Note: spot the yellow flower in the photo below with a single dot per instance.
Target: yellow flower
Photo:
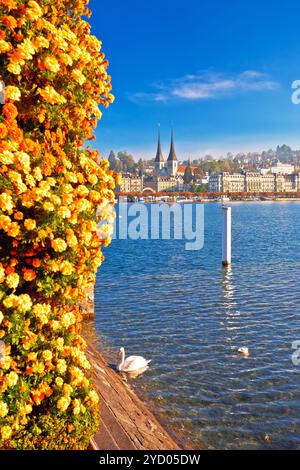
(42, 234)
(63, 403)
(2, 274)
(55, 325)
(12, 280)
(59, 381)
(61, 366)
(11, 301)
(11, 379)
(50, 95)
(76, 406)
(42, 312)
(60, 343)
(30, 224)
(82, 190)
(37, 173)
(64, 212)
(6, 203)
(30, 181)
(32, 357)
(51, 64)
(6, 432)
(4, 46)
(68, 319)
(47, 206)
(71, 239)
(26, 50)
(25, 410)
(78, 76)
(25, 303)
(67, 390)
(24, 159)
(83, 205)
(77, 376)
(40, 42)
(66, 59)
(93, 179)
(14, 68)
(93, 396)
(110, 98)
(59, 245)
(13, 230)
(1, 317)
(55, 199)
(66, 268)
(34, 12)
(3, 409)
(7, 157)
(5, 222)
(47, 355)
(13, 93)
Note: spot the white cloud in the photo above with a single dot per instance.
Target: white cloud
(207, 86)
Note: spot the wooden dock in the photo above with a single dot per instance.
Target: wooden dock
(126, 423)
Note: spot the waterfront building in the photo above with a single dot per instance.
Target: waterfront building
(259, 183)
(282, 168)
(251, 182)
(159, 184)
(215, 183)
(168, 183)
(130, 183)
(234, 183)
(288, 183)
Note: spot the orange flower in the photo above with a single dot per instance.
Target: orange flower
(28, 275)
(18, 216)
(9, 21)
(36, 263)
(30, 224)
(51, 185)
(10, 4)
(3, 131)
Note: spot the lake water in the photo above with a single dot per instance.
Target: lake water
(189, 315)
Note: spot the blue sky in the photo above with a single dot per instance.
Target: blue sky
(219, 71)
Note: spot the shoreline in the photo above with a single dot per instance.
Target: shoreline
(216, 201)
(126, 423)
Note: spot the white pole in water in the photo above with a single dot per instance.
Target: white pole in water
(226, 234)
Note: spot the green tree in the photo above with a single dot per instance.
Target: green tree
(141, 167)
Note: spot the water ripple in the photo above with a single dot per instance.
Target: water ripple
(189, 315)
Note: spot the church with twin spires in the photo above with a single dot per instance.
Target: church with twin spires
(165, 175)
(170, 167)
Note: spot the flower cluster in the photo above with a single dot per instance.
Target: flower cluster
(51, 185)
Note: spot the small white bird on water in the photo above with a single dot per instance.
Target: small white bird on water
(244, 351)
(132, 363)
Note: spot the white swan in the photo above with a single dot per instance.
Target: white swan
(132, 363)
(244, 351)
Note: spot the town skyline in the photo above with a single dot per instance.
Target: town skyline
(224, 82)
(165, 146)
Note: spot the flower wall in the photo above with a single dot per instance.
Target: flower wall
(51, 185)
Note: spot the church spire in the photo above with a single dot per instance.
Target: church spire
(159, 156)
(172, 155)
(172, 162)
